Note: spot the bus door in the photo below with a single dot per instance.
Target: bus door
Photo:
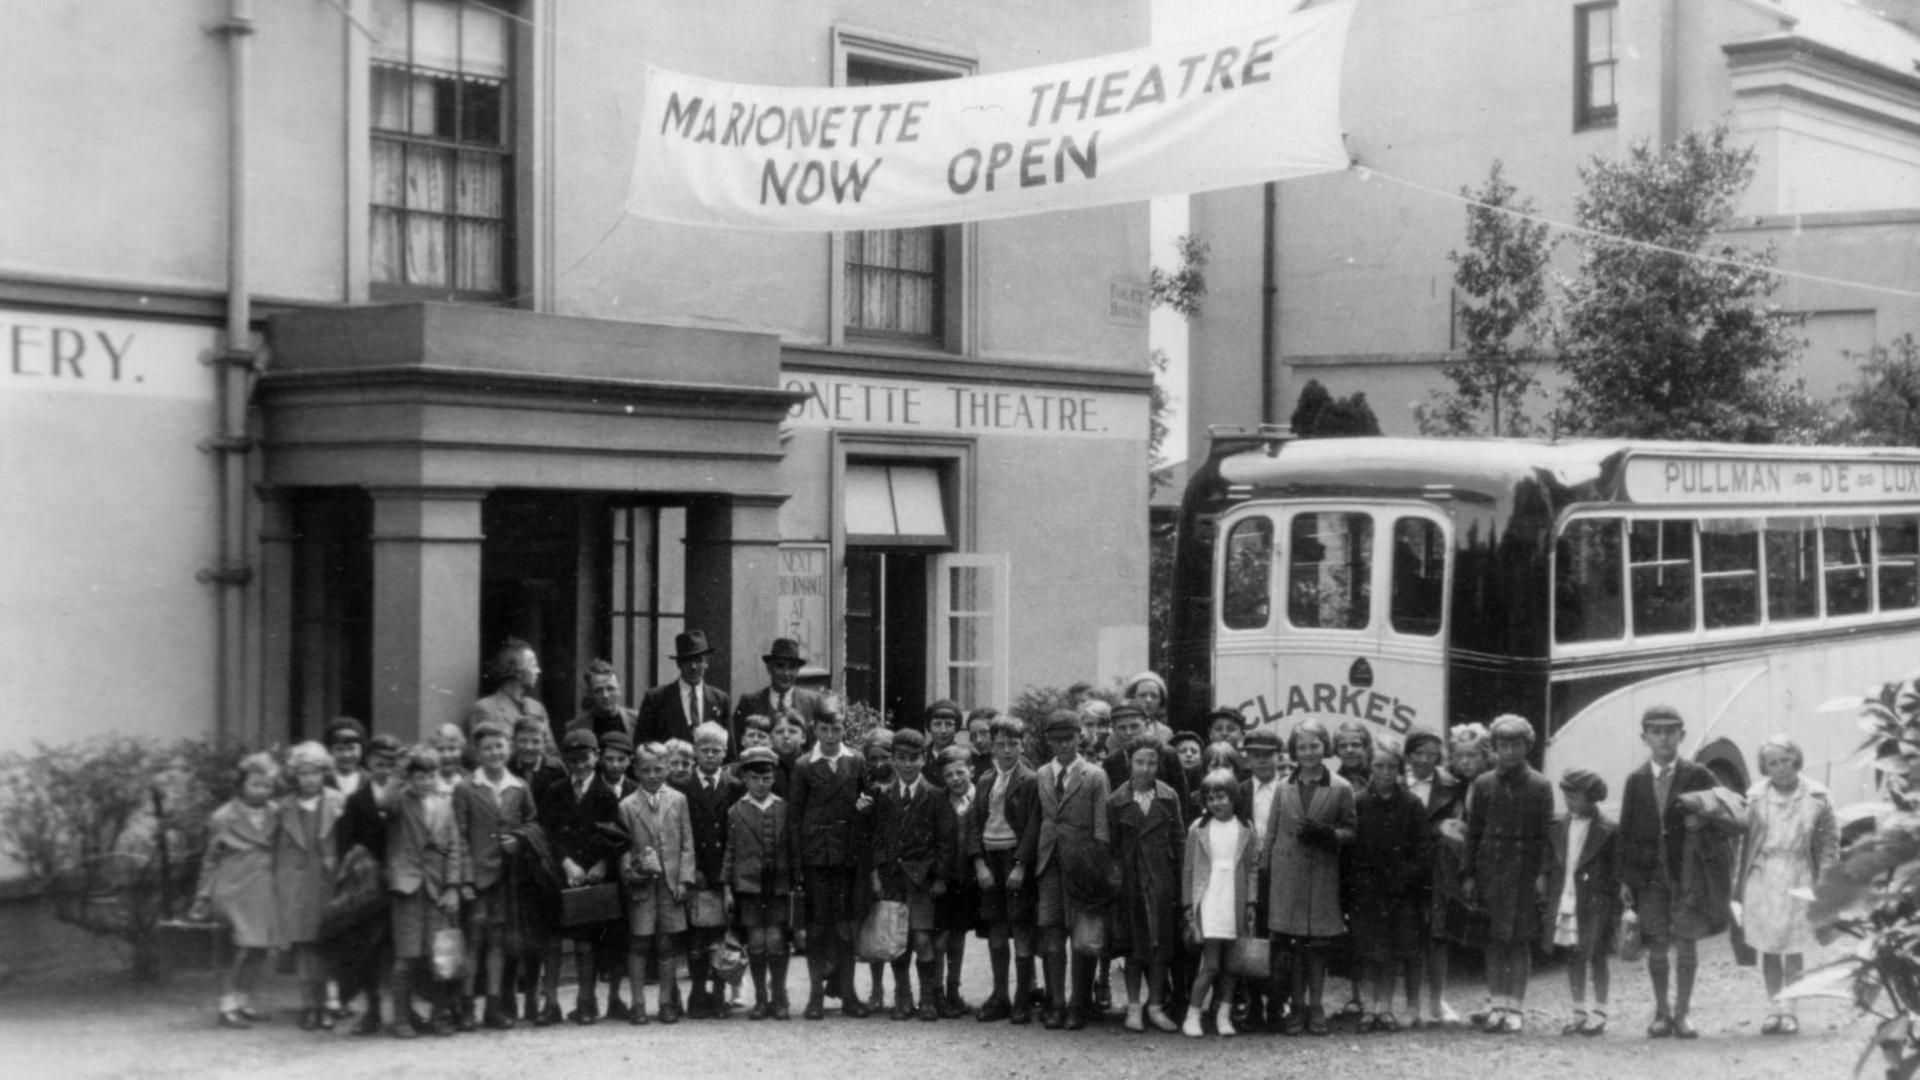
(1333, 610)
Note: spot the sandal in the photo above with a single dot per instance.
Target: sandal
(1772, 1026)
(1386, 1023)
(1368, 1022)
(1596, 1024)
(1577, 1025)
(1789, 1025)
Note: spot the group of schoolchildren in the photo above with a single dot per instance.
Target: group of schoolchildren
(1230, 876)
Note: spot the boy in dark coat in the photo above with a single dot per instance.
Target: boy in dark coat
(1004, 802)
(828, 790)
(913, 844)
(1509, 813)
(1650, 841)
(757, 873)
(711, 791)
(1066, 844)
(581, 820)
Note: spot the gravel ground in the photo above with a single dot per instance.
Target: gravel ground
(109, 1028)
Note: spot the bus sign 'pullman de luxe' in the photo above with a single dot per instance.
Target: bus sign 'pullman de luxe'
(1666, 478)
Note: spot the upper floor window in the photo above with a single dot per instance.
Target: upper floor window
(895, 278)
(1595, 63)
(442, 161)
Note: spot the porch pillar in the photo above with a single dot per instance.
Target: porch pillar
(426, 607)
(733, 578)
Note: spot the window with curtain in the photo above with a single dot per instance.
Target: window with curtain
(442, 161)
(1595, 63)
(895, 278)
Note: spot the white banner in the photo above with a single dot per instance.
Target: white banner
(1236, 108)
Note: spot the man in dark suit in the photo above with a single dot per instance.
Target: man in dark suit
(711, 792)
(827, 796)
(604, 709)
(674, 710)
(576, 815)
(784, 661)
(1652, 837)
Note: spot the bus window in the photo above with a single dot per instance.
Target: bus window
(1847, 555)
(1898, 560)
(1249, 574)
(1793, 592)
(1586, 585)
(1729, 572)
(1419, 575)
(1330, 574)
(1660, 565)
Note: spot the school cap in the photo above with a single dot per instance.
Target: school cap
(1225, 713)
(759, 759)
(880, 737)
(1261, 738)
(1187, 737)
(579, 740)
(1061, 720)
(909, 741)
(1586, 782)
(944, 708)
(343, 730)
(1127, 709)
(617, 740)
(1661, 716)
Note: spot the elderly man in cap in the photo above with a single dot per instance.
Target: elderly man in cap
(672, 711)
(784, 661)
(1066, 844)
(1652, 839)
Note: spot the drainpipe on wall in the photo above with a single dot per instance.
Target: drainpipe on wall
(235, 363)
(1272, 385)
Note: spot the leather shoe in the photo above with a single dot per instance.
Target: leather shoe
(1683, 1028)
(584, 1016)
(1076, 1019)
(953, 1007)
(1661, 1028)
(309, 1020)
(852, 1008)
(231, 1018)
(617, 1010)
(816, 1009)
(368, 1024)
(402, 1030)
(495, 1018)
(993, 1009)
(902, 1009)
(779, 1010)
(929, 1011)
(548, 1015)
(1054, 1019)
(1020, 1013)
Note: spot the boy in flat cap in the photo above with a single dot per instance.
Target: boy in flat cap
(1652, 841)
(913, 845)
(1069, 831)
(572, 812)
(757, 873)
(1583, 895)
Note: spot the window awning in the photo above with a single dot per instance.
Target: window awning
(895, 503)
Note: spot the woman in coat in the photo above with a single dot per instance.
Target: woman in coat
(1509, 817)
(1311, 820)
(1145, 822)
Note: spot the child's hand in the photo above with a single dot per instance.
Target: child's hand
(1466, 889)
(699, 881)
(726, 900)
(449, 902)
(202, 910)
(983, 877)
(575, 875)
(510, 843)
(1016, 878)
(863, 803)
(939, 888)
(876, 883)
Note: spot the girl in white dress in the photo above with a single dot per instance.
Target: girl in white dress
(1791, 838)
(1217, 891)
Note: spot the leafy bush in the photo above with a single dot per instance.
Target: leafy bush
(1873, 892)
(110, 831)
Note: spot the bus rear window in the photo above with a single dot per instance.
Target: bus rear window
(1245, 592)
(1586, 588)
(1729, 572)
(1898, 557)
(1793, 588)
(1660, 562)
(1330, 571)
(1419, 576)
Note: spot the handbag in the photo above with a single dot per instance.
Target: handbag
(449, 954)
(1250, 958)
(1090, 932)
(707, 908)
(883, 933)
(587, 904)
(1626, 941)
(728, 959)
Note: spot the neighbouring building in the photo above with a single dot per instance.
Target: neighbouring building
(1345, 278)
(333, 360)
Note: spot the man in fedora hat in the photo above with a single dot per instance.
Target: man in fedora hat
(672, 711)
(784, 661)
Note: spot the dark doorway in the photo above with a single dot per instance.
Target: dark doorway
(886, 624)
(332, 624)
(530, 568)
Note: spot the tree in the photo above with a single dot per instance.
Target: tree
(1318, 414)
(1503, 272)
(1884, 406)
(1656, 340)
(1181, 290)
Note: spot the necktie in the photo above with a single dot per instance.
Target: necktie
(780, 705)
(1663, 786)
(1060, 782)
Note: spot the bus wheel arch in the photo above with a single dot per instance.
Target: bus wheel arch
(1728, 765)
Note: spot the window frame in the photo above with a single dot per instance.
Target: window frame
(528, 52)
(956, 283)
(1587, 115)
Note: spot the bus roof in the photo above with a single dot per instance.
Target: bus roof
(1647, 472)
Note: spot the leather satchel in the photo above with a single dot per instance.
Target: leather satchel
(588, 904)
(1250, 958)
